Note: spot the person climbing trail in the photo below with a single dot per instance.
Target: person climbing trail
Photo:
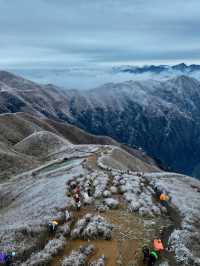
(157, 192)
(161, 196)
(76, 197)
(89, 191)
(77, 190)
(153, 257)
(150, 258)
(52, 226)
(2, 258)
(164, 199)
(146, 253)
(7, 258)
(69, 193)
(67, 216)
(158, 245)
(77, 201)
(72, 186)
(78, 205)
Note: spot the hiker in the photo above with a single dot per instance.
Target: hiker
(52, 226)
(153, 257)
(67, 216)
(6, 258)
(72, 186)
(77, 200)
(89, 188)
(89, 191)
(146, 253)
(163, 199)
(69, 193)
(76, 197)
(78, 205)
(77, 190)
(158, 245)
(9, 258)
(2, 258)
(157, 192)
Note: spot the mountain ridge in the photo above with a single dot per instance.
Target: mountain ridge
(161, 117)
(157, 69)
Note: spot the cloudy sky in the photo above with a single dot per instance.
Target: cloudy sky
(56, 33)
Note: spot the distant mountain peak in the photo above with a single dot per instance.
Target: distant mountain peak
(159, 69)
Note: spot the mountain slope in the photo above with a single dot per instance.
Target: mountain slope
(132, 212)
(161, 117)
(27, 141)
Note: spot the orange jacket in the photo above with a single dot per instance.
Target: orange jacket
(158, 245)
(164, 197)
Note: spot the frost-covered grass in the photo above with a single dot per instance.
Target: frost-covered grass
(36, 202)
(137, 194)
(78, 257)
(100, 262)
(45, 256)
(92, 227)
(184, 195)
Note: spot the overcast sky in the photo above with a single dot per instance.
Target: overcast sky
(56, 33)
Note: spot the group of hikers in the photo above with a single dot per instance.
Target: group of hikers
(162, 197)
(75, 192)
(78, 195)
(150, 255)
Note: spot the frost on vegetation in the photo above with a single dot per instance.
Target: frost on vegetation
(111, 203)
(113, 189)
(78, 257)
(107, 194)
(100, 184)
(134, 206)
(179, 240)
(63, 230)
(184, 199)
(138, 198)
(164, 263)
(45, 256)
(102, 208)
(92, 227)
(23, 238)
(99, 262)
